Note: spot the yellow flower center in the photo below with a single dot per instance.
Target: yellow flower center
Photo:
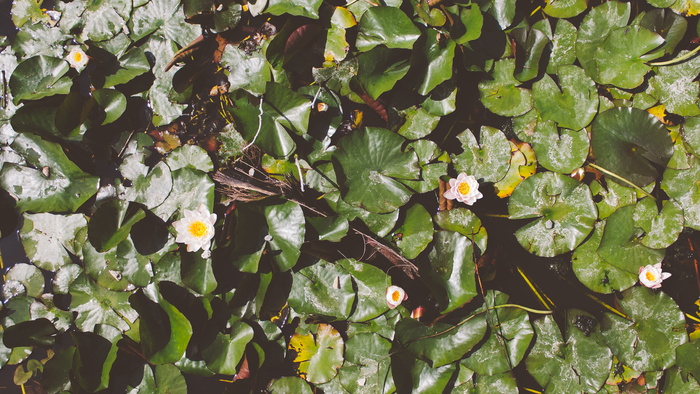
(395, 296)
(77, 57)
(198, 229)
(464, 188)
(650, 276)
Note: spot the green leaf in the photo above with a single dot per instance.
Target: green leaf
(577, 361)
(191, 156)
(50, 239)
(620, 59)
(322, 289)
(96, 305)
(502, 95)
(141, 184)
(596, 273)
(468, 26)
(319, 358)
(197, 273)
(388, 26)
(132, 64)
(222, 355)
(190, 188)
(564, 210)
(250, 72)
(559, 149)
(430, 380)
(686, 358)
(416, 232)
(487, 159)
(441, 343)
(380, 68)
(331, 229)
(163, 329)
(95, 356)
(681, 185)
(594, 29)
(169, 379)
(38, 77)
(667, 24)
(434, 58)
(306, 8)
(648, 341)
(111, 223)
(337, 46)
(509, 337)
(367, 365)
(368, 163)
(504, 12)
(150, 17)
(633, 156)
(53, 183)
(563, 40)
(450, 275)
(675, 383)
(289, 384)
(566, 8)
(612, 196)
(29, 276)
(371, 284)
(285, 223)
(465, 222)
(676, 88)
(39, 332)
(530, 44)
(441, 101)
(112, 102)
(572, 103)
(661, 228)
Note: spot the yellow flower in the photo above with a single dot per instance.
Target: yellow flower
(651, 276)
(77, 58)
(196, 229)
(464, 189)
(395, 296)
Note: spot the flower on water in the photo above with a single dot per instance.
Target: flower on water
(651, 276)
(464, 189)
(77, 58)
(395, 296)
(196, 229)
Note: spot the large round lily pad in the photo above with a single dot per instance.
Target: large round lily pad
(368, 163)
(629, 142)
(564, 210)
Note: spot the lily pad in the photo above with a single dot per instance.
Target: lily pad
(529, 46)
(416, 232)
(322, 289)
(29, 276)
(572, 103)
(224, 354)
(648, 340)
(595, 28)
(435, 56)
(465, 222)
(250, 72)
(388, 26)
(368, 163)
(367, 368)
(380, 68)
(96, 305)
(661, 228)
(621, 57)
(502, 95)
(370, 283)
(38, 77)
(49, 240)
(450, 275)
(675, 86)
(53, 183)
(148, 186)
(523, 164)
(681, 185)
(319, 357)
(558, 149)
(564, 210)
(487, 159)
(630, 142)
(575, 360)
(563, 40)
(565, 9)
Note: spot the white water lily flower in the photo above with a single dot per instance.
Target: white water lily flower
(464, 189)
(395, 296)
(196, 229)
(651, 276)
(77, 58)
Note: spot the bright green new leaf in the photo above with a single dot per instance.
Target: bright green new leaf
(648, 341)
(306, 8)
(197, 273)
(132, 64)
(426, 379)
(112, 102)
(565, 8)
(564, 210)
(388, 26)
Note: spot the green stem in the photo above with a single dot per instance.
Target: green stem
(612, 174)
(678, 59)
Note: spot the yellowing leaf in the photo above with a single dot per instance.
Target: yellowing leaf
(320, 358)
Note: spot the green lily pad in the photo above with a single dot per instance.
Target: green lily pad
(595, 28)
(190, 188)
(94, 357)
(197, 273)
(565, 9)
(367, 367)
(164, 330)
(322, 289)
(686, 358)
(96, 305)
(379, 223)
(648, 340)
(289, 384)
(661, 228)
(667, 24)
(596, 273)
(380, 68)
(38, 77)
(450, 275)
(440, 344)
(572, 103)
(250, 72)
(487, 159)
(371, 284)
(465, 222)
(112, 102)
(530, 44)
(576, 360)
(621, 246)
(307, 8)
(621, 57)
(50, 239)
(558, 149)
(321, 356)
(509, 338)
(563, 39)
(368, 163)
(676, 87)
(418, 124)
(612, 197)
(111, 223)
(564, 210)
(681, 185)
(631, 155)
(426, 379)
(416, 232)
(388, 26)
(222, 355)
(330, 228)
(675, 383)
(29, 276)
(435, 56)
(468, 26)
(502, 96)
(53, 183)
(131, 64)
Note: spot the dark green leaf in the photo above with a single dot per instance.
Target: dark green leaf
(111, 223)
(371, 284)
(385, 26)
(132, 64)
(594, 29)
(322, 289)
(307, 8)
(367, 365)
(416, 232)
(222, 355)
(39, 76)
(450, 275)
(39, 332)
(380, 68)
(95, 356)
(465, 222)
(530, 44)
(434, 58)
(502, 95)
(112, 102)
